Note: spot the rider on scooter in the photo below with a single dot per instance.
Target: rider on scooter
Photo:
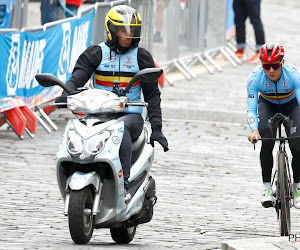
(120, 58)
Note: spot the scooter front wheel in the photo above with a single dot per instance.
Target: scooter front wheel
(123, 235)
(81, 220)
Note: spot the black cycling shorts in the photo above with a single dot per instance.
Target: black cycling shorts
(266, 110)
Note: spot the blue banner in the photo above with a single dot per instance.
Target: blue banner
(55, 51)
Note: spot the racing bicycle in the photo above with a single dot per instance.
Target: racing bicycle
(282, 182)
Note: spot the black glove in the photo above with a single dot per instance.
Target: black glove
(158, 136)
(61, 99)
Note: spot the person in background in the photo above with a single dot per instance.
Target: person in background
(274, 87)
(244, 9)
(49, 9)
(73, 6)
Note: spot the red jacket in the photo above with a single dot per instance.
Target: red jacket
(75, 2)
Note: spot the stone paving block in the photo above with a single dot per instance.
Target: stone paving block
(208, 184)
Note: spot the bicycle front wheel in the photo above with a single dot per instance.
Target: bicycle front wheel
(284, 192)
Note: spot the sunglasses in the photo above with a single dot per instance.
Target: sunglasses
(275, 66)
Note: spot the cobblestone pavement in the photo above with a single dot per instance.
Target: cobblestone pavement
(208, 184)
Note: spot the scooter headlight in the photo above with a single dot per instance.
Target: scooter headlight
(97, 143)
(75, 144)
(74, 104)
(116, 105)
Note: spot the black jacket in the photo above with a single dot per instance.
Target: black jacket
(90, 59)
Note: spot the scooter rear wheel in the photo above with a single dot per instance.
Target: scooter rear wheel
(123, 235)
(81, 221)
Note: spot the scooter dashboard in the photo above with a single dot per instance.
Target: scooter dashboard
(96, 101)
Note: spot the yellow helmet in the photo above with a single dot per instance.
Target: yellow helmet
(123, 16)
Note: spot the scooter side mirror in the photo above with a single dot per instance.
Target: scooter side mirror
(48, 80)
(145, 75)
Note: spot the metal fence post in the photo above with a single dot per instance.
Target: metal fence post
(173, 31)
(20, 14)
(216, 27)
(202, 25)
(60, 11)
(193, 27)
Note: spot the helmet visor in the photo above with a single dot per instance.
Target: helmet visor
(127, 31)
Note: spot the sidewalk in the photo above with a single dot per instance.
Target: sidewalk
(208, 184)
(270, 243)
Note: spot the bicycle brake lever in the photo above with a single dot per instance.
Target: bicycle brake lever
(254, 141)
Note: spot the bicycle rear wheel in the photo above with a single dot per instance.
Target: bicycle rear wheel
(284, 192)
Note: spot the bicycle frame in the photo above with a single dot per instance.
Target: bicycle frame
(281, 150)
(282, 174)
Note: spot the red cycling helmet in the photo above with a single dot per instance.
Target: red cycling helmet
(271, 52)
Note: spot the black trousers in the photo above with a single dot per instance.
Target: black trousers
(242, 10)
(133, 126)
(267, 110)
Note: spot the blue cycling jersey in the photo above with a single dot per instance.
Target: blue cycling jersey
(286, 89)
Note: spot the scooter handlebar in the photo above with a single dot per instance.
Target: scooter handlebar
(143, 104)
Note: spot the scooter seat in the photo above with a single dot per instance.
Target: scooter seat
(137, 146)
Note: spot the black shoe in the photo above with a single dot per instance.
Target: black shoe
(267, 204)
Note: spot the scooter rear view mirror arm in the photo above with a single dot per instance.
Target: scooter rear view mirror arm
(48, 80)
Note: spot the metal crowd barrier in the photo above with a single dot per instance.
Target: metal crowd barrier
(191, 32)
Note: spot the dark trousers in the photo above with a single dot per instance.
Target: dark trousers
(133, 126)
(242, 10)
(267, 110)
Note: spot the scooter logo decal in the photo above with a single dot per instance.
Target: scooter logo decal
(268, 84)
(251, 120)
(120, 173)
(115, 140)
(128, 59)
(139, 201)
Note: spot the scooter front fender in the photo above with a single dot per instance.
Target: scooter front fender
(79, 180)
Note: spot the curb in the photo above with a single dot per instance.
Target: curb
(270, 243)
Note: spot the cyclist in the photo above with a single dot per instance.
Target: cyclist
(274, 87)
(120, 58)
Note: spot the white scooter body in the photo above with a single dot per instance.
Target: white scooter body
(88, 167)
(113, 209)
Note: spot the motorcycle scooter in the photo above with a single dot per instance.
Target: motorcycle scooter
(88, 167)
